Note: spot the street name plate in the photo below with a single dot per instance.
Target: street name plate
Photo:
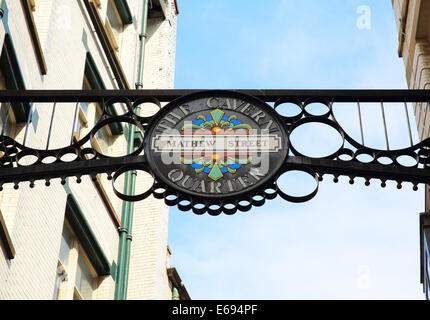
(216, 144)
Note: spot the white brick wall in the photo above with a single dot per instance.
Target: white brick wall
(416, 56)
(35, 216)
(148, 277)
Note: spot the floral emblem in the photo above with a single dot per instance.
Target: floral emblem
(216, 163)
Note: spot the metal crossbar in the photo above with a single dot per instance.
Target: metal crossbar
(167, 95)
(89, 161)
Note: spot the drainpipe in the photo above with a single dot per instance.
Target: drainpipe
(175, 294)
(142, 37)
(129, 184)
(128, 238)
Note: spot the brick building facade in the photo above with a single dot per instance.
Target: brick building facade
(61, 241)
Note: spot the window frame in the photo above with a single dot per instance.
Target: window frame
(98, 112)
(11, 78)
(11, 71)
(112, 57)
(96, 279)
(32, 5)
(67, 289)
(91, 246)
(81, 116)
(29, 6)
(11, 121)
(95, 81)
(116, 43)
(11, 117)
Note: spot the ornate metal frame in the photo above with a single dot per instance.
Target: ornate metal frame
(88, 161)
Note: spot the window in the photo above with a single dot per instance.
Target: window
(102, 138)
(93, 111)
(11, 78)
(113, 24)
(81, 122)
(12, 121)
(82, 263)
(7, 116)
(7, 120)
(76, 279)
(63, 261)
(30, 7)
(84, 281)
(43, 11)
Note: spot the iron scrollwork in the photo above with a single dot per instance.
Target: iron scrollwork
(216, 151)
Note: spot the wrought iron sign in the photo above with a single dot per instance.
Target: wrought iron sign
(214, 151)
(216, 146)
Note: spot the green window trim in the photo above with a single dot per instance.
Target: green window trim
(93, 74)
(138, 138)
(13, 77)
(91, 246)
(124, 11)
(159, 9)
(96, 82)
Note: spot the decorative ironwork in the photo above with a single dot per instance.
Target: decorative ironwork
(20, 163)
(212, 149)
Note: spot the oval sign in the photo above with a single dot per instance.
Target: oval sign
(216, 144)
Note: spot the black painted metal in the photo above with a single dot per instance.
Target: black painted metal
(88, 161)
(167, 95)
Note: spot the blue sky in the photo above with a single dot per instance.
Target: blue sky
(350, 241)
